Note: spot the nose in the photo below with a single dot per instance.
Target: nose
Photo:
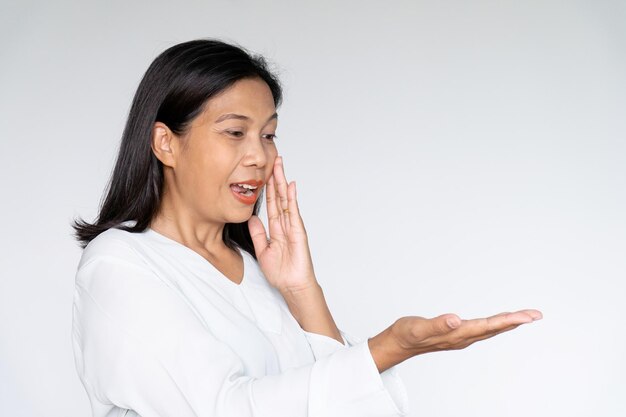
(256, 154)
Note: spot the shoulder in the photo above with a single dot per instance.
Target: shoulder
(112, 244)
(111, 267)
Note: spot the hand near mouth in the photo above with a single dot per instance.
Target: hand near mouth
(284, 258)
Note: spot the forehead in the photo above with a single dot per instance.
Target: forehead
(251, 97)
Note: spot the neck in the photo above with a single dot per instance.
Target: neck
(179, 223)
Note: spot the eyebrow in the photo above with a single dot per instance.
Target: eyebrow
(240, 117)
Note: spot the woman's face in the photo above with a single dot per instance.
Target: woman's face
(230, 142)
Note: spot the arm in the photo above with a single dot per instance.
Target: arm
(309, 308)
(285, 258)
(408, 336)
(138, 345)
(286, 262)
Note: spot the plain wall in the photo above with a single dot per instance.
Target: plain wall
(451, 156)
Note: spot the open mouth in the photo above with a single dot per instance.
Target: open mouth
(245, 190)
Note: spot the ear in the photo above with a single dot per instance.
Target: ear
(164, 144)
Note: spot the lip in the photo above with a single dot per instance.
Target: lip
(251, 199)
(257, 183)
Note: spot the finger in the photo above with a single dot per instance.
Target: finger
(257, 233)
(503, 330)
(294, 211)
(273, 212)
(485, 326)
(472, 340)
(496, 323)
(520, 317)
(515, 319)
(281, 183)
(281, 188)
(535, 314)
(270, 198)
(444, 324)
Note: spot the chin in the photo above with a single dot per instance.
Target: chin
(241, 217)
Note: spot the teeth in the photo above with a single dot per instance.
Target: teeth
(248, 186)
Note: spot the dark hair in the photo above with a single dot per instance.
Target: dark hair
(173, 90)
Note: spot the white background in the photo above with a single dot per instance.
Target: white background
(450, 156)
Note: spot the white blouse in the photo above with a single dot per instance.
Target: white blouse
(159, 331)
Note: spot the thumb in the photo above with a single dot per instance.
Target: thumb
(257, 233)
(445, 323)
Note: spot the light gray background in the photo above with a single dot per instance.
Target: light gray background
(451, 156)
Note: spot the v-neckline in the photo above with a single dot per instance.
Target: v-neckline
(229, 281)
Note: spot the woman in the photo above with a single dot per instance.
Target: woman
(184, 306)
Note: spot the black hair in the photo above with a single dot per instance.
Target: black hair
(173, 91)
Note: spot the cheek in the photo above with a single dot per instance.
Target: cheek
(269, 168)
(271, 153)
(203, 176)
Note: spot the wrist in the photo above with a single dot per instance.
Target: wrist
(302, 291)
(386, 349)
(308, 307)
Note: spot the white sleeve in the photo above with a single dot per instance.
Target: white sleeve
(389, 381)
(140, 346)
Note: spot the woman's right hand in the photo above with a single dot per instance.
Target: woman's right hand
(413, 335)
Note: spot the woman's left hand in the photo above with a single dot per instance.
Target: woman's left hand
(284, 258)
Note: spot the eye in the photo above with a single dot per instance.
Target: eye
(235, 133)
(270, 136)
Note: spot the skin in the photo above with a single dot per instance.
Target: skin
(199, 167)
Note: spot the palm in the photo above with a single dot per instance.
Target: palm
(284, 258)
(449, 332)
